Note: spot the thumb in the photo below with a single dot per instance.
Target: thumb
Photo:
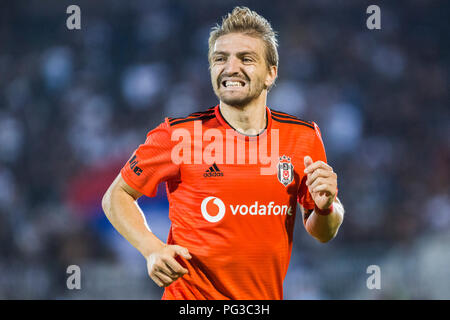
(307, 161)
(182, 251)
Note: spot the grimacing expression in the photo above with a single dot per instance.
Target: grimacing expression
(239, 72)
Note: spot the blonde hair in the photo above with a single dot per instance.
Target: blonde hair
(243, 20)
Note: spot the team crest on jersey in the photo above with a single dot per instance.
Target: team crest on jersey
(285, 170)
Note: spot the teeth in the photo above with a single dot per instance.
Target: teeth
(233, 84)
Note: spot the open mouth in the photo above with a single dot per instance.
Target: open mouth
(233, 83)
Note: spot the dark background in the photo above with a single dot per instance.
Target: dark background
(74, 104)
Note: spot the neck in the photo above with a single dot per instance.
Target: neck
(249, 119)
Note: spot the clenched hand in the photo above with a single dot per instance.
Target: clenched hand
(162, 267)
(321, 182)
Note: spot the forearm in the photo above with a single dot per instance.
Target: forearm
(325, 227)
(128, 219)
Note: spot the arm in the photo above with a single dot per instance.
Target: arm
(324, 221)
(121, 209)
(324, 227)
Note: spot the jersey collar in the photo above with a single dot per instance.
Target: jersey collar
(225, 124)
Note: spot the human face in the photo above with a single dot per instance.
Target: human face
(239, 72)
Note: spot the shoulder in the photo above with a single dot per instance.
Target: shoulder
(165, 129)
(288, 119)
(199, 115)
(295, 126)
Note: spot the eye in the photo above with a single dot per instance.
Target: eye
(218, 59)
(247, 59)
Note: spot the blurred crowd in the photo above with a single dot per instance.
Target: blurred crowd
(74, 104)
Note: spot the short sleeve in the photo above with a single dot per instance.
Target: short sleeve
(151, 164)
(316, 153)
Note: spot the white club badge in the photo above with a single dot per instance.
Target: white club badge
(285, 170)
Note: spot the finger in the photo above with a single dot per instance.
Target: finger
(318, 173)
(320, 181)
(175, 266)
(182, 251)
(156, 280)
(317, 182)
(330, 190)
(165, 279)
(307, 161)
(316, 165)
(167, 271)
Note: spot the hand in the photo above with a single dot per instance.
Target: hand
(162, 267)
(321, 182)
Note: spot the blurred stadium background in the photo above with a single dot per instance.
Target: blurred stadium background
(75, 104)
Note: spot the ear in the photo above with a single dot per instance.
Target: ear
(271, 76)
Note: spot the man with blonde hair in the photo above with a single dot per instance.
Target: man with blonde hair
(231, 223)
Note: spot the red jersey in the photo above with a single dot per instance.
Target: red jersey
(228, 205)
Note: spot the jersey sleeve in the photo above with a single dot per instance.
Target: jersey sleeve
(317, 153)
(151, 164)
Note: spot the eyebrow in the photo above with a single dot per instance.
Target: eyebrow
(239, 54)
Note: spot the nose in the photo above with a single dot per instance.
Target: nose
(232, 65)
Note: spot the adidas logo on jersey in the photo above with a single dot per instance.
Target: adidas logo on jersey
(213, 171)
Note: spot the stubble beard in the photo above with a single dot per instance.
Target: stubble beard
(240, 101)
